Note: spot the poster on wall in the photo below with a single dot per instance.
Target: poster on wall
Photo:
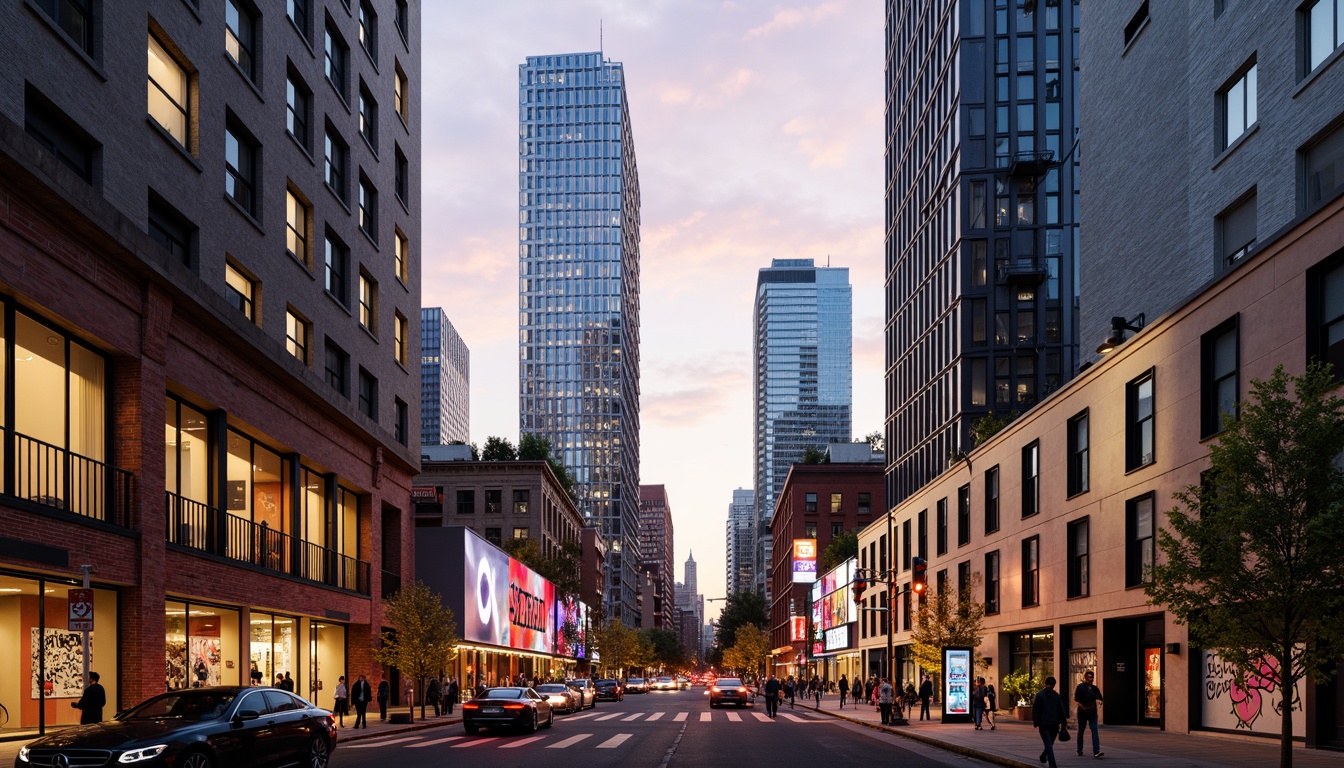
(804, 561)
(485, 607)
(64, 651)
(175, 665)
(1256, 706)
(531, 609)
(956, 685)
(205, 661)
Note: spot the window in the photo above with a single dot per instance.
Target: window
(59, 135)
(368, 394)
(403, 19)
(368, 208)
(837, 529)
(923, 526)
(296, 336)
(963, 515)
(1323, 31)
(1218, 374)
(168, 83)
(865, 503)
(297, 216)
(1323, 168)
(368, 299)
(337, 55)
(1136, 23)
(368, 29)
(170, 229)
(978, 204)
(810, 530)
(494, 501)
(992, 582)
(240, 169)
(297, 10)
(1031, 480)
(1140, 541)
(1031, 571)
(1139, 422)
(399, 250)
(905, 545)
(400, 431)
(1078, 562)
(492, 535)
(1236, 231)
(297, 105)
(240, 290)
(399, 337)
(810, 502)
(338, 264)
(337, 155)
(466, 502)
(1238, 101)
(403, 177)
(74, 18)
(1325, 314)
(940, 525)
(978, 374)
(991, 500)
(240, 34)
(520, 533)
(963, 580)
(337, 366)
(400, 86)
(837, 500)
(368, 116)
(1079, 448)
(520, 499)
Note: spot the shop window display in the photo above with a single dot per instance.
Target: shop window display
(273, 649)
(200, 646)
(326, 662)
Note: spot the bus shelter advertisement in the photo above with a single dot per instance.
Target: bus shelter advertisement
(956, 685)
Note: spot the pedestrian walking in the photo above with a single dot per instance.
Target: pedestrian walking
(991, 704)
(342, 699)
(433, 693)
(788, 690)
(1048, 715)
(1087, 696)
(454, 690)
(772, 688)
(362, 695)
(886, 696)
(856, 691)
(384, 694)
(844, 690)
(870, 690)
(978, 696)
(816, 690)
(925, 696)
(91, 702)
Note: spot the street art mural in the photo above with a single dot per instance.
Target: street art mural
(1254, 706)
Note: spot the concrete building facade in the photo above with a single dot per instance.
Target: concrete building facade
(445, 381)
(655, 554)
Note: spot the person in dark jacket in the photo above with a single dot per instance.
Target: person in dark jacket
(362, 695)
(925, 696)
(1048, 715)
(454, 690)
(384, 694)
(287, 683)
(1087, 696)
(978, 695)
(91, 703)
(857, 691)
(844, 689)
(433, 693)
(772, 689)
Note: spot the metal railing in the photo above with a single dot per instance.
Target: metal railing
(61, 479)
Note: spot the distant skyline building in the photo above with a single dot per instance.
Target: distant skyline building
(741, 541)
(578, 256)
(445, 380)
(803, 366)
(656, 551)
(982, 221)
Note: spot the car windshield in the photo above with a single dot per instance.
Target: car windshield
(729, 682)
(503, 693)
(551, 688)
(184, 705)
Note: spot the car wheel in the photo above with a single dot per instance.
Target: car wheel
(471, 729)
(196, 759)
(551, 719)
(532, 725)
(318, 752)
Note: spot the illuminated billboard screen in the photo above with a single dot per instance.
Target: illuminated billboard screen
(571, 628)
(797, 629)
(956, 685)
(485, 615)
(804, 561)
(531, 611)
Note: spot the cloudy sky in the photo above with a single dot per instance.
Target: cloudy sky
(758, 133)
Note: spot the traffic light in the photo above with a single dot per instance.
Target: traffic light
(920, 580)
(858, 586)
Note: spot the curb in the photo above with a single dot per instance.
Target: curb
(419, 725)
(987, 757)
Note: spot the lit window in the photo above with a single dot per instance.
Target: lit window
(239, 289)
(167, 92)
(399, 256)
(296, 336)
(400, 86)
(367, 296)
(1239, 106)
(399, 338)
(239, 36)
(296, 226)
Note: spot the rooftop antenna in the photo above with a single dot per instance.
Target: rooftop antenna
(600, 48)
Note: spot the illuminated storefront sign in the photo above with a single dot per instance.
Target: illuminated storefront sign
(831, 603)
(504, 602)
(531, 609)
(797, 629)
(804, 561)
(837, 638)
(571, 628)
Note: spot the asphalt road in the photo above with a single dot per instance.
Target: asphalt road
(654, 730)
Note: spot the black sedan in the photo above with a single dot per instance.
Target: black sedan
(509, 707)
(729, 690)
(610, 690)
(197, 728)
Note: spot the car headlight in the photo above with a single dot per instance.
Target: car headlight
(23, 754)
(146, 753)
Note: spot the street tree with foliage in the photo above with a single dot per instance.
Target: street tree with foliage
(425, 640)
(875, 440)
(842, 547)
(536, 448)
(740, 609)
(498, 449)
(990, 425)
(1252, 561)
(750, 651)
(618, 646)
(815, 455)
(947, 618)
(668, 651)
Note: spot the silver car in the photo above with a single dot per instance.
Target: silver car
(561, 697)
(587, 692)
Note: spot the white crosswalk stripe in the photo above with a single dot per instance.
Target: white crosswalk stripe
(734, 717)
(655, 716)
(681, 717)
(580, 717)
(798, 719)
(476, 742)
(612, 716)
(383, 742)
(614, 741)
(764, 718)
(521, 742)
(435, 741)
(635, 716)
(704, 717)
(571, 741)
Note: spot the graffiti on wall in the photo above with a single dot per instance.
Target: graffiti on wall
(1255, 705)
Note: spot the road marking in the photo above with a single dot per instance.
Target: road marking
(734, 717)
(476, 742)
(762, 718)
(798, 719)
(521, 742)
(580, 717)
(681, 717)
(436, 741)
(655, 716)
(571, 741)
(614, 741)
(612, 716)
(383, 743)
(704, 717)
(635, 716)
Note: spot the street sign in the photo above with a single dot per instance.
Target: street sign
(81, 610)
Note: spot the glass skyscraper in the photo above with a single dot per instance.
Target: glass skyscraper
(445, 379)
(578, 304)
(804, 378)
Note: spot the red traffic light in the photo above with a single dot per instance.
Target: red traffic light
(920, 579)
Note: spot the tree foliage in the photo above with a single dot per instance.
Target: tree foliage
(620, 647)
(1252, 561)
(842, 547)
(740, 609)
(536, 448)
(947, 618)
(668, 650)
(815, 455)
(989, 425)
(875, 440)
(498, 449)
(425, 640)
(750, 651)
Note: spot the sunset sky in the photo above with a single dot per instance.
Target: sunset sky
(759, 134)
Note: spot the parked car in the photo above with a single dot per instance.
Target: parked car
(508, 707)
(587, 693)
(636, 685)
(684, 683)
(610, 690)
(198, 728)
(664, 684)
(729, 690)
(561, 697)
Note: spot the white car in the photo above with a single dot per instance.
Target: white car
(664, 684)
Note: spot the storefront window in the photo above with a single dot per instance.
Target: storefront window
(1033, 652)
(326, 663)
(201, 645)
(273, 648)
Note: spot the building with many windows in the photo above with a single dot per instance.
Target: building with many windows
(578, 286)
(741, 541)
(803, 370)
(445, 381)
(655, 554)
(981, 216)
(209, 295)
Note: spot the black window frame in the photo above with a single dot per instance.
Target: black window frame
(402, 20)
(245, 36)
(367, 21)
(1336, 34)
(336, 367)
(940, 525)
(336, 268)
(810, 503)
(336, 61)
(922, 532)
(244, 303)
(1078, 533)
(1238, 229)
(367, 402)
(246, 176)
(1137, 425)
(1031, 571)
(60, 135)
(1140, 543)
(906, 541)
(1319, 323)
(1080, 453)
(1031, 479)
(299, 13)
(80, 31)
(402, 178)
(1213, 381)
(865, 501)
(336, 163)
(299, 349)
(466, 501)
(964, 515)
(367, 108)
(993, 485)
(1328, 145)
(169, 228)
(992, 582)
(298, 109)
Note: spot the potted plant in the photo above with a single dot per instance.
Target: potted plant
(1019, 687)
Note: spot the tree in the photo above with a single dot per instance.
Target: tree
(668, 650)
(815, 455)
(617, 644)
(1252, 560)
(425, 641)
(875, 440)
(947, 618)
(988, 426)
(842, 548)
(498, 449)
(740, 609)
(536, 448)
(750, 651)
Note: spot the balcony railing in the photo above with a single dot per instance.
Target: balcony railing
(391, 584)
(198, 526)
(61, 479)
(1030, 165)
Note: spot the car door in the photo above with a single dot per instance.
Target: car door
(290, 736)
(244, 741)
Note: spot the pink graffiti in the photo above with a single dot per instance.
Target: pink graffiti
(1247, 704)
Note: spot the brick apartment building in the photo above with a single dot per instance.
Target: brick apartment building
(208, 297)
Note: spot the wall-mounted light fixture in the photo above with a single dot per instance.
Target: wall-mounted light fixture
(1118, 327)
(1174, 649)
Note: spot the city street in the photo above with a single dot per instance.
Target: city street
(655, 729)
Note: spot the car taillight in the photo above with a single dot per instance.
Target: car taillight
(470, 705)
(514, 706)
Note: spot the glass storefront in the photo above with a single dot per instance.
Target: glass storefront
(42, 662)
(201, 646)
(272, 648)
(326, 663)
(1033, 652)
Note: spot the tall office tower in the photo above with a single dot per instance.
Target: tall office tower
(655, 549)
(445, 379)
(206, 371)
(982, 181)
(578, 326)
(741, 540)
(1216, 181)
(804, 379)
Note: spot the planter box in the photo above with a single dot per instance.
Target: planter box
(1022, 713)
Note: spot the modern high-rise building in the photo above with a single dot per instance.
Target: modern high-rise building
(445, 381)
(981, 216)
(741, 540)
(578, 305)
(209, 290)
(655, 551)
(803, 366)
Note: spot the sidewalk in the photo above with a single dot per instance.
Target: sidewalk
(1018, 745)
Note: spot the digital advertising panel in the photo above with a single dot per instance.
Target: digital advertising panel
(571, 628)
(797, 629)
(531, 609)
(804, 561)
(485, 607)
(956, 685)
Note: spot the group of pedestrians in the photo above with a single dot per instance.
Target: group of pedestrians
(1049, 715)
(442, 695)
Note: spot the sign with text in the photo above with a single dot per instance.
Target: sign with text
(531, 609)
(81, 610)
(837, 638)
(797, 629)
(804, 561)
(956, 685)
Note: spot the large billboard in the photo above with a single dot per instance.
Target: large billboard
(571, 628)
(531, 610)
(485, 607)
(804, 561)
